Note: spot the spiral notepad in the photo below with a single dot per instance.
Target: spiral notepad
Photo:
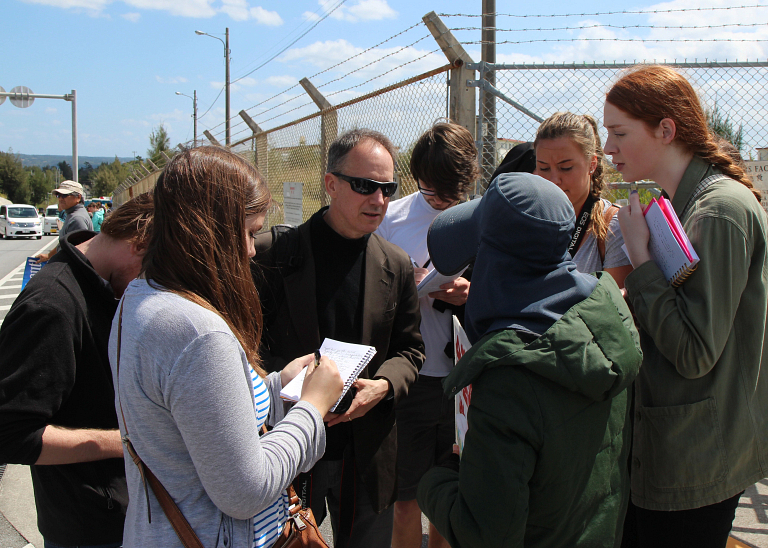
(350, 358)
(669, 245)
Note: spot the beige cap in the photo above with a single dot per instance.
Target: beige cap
(69, 187)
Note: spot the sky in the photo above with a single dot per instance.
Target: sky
(128, 58)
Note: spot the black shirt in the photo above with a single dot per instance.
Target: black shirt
(339, 279)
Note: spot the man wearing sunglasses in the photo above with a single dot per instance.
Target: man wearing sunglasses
(444, 165)
(331, 277)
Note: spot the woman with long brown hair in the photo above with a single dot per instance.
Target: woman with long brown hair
(184, 355)
(701, 401)
(569, 153)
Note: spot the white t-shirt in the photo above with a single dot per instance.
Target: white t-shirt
(405, 225)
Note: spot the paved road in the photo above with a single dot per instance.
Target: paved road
(13, 255)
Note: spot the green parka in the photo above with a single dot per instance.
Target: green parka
(545, 456)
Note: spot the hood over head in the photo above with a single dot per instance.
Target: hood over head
(518, 235)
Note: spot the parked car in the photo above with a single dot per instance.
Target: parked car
(51, 221)
(20, 220)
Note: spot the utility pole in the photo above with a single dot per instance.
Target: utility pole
(194, 115)
(488, 107)
(226, 106)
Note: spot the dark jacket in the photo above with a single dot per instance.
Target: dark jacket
(390, 323)
(701, 420)
(54, 369)
(545, 455)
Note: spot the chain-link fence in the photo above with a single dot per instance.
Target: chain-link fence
(296, 152)
(732, 93)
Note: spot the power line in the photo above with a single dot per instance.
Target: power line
(302, 35)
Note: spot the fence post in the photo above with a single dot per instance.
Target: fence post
(328, 130)
(462, 97)
(488, 158)
(256, 130)
(211, 138)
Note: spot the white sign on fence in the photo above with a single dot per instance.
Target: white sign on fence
(293, 194)
(758, 172)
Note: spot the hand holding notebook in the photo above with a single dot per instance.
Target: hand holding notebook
(350, 358)
(669, 245)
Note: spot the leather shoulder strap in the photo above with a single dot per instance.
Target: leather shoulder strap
(183, 529)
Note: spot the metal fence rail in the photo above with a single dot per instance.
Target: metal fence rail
(526, 94)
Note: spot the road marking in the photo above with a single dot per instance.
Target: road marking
(10, 286)
(4, 307)
(11, 296)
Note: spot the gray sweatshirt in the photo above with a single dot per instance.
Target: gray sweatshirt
(188, 401)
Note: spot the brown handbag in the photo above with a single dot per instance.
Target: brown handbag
(300, 531)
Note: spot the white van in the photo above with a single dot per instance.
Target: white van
(20, 220)
(51, 221)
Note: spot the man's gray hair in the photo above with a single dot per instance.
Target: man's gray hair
(344, 143)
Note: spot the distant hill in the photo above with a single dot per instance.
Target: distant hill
(42, 160)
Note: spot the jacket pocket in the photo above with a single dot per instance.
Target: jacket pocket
(683, 446)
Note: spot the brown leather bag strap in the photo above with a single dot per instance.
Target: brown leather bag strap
(183, 529)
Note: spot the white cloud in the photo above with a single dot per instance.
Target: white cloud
(132, 17)
(171, 80)
(185, 8)
(51, 110)
(265, 17)
(285, 81)
(236, 9)
(96, 5)
(361, 10)
(310, 16)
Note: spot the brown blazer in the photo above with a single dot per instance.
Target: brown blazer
(391, 319)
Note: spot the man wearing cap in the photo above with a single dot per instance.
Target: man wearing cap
(57, 399)
(70, 197)
(554, 354)
(331, 277)
(444, 164)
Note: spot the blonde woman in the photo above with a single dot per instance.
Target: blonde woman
(569, 153)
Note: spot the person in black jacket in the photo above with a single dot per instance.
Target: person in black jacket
(57, 401)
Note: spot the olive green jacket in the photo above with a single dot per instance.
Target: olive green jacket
(701, 420)
(545, 456)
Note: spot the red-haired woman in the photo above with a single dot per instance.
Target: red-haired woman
(701, 401)
(184, 355)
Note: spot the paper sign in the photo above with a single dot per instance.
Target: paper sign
(293, 194)
(30, 269)
(462, 399)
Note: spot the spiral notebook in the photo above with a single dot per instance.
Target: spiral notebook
(669, 244)
(350, 358)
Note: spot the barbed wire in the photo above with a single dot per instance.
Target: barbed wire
(420, 23)
(599, 13)
(649, 40)
(601, 25)
(374, 62)
(384, 73)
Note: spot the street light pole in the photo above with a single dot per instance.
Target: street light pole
(226, 83)
(194, 111)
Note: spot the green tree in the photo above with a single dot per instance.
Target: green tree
(721, 124)
(41, 182)
(66, 170)
(159, 142)
(13, 178)
(108, 176)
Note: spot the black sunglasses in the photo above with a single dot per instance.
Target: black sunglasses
(364, 186)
